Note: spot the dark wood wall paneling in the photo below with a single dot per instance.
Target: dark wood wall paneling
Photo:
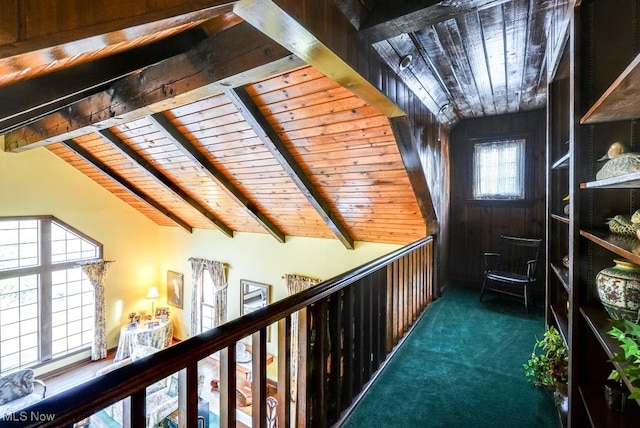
(476, 226)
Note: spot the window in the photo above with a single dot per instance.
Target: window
(498, 169)
(46, 303)
(208, 304)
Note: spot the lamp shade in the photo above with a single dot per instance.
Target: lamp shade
(153, 293)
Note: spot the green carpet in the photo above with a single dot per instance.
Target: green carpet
(462, 367)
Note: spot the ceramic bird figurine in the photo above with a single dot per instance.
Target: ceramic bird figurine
(619, 162)
(624, 224)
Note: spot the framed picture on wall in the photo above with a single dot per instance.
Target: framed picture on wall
(175, 289)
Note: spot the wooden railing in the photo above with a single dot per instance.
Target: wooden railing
(346, 327)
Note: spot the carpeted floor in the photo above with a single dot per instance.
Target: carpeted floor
(462, 367)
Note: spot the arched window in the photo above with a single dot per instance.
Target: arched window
(46, 302)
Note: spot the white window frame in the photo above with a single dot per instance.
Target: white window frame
(489, 181)
(55, 304)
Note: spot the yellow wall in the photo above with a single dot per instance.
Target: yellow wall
(37, 182)
(257, 257)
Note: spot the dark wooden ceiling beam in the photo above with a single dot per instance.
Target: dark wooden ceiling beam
(169, 130)
(112, 174)
(250, 111)
(411, 159)
(138, 159)
(237, 56)
(57, 89)
(269, 18)
(390, 19)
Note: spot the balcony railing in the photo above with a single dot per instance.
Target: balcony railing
(346, 328)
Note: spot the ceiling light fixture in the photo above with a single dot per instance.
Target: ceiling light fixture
(405, 61)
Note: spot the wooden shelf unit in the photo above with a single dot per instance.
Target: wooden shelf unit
(619, 101)
(592, 102)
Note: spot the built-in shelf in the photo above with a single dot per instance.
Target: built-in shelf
(560, 218)
(625, 246)
(562, 322)
(561, 163)
(598, 412)
(598, 320)
(626, 181)
(563, 275)
(620, 100)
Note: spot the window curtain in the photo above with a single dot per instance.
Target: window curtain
(96, 271)
(218, 273)
(296, 284)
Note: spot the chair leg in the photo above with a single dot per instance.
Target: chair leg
(484, 283)
(526, 298)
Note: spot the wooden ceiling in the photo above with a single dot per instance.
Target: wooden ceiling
(466, 58)
(198, 120)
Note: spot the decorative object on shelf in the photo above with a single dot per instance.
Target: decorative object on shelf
(615, 395)
(565, 261)
(628, 335)
(619, 162)
(619, 289)
(549, 365)
(175, 288)
(567, 208)
(625, 224)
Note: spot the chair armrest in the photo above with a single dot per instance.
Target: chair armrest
(42, 384)
(490, 260)
(531, 268)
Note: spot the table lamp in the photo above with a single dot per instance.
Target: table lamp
(153, 295)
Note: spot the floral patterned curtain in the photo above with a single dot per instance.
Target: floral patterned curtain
(218, 274)
(96, 272)
(296, 284)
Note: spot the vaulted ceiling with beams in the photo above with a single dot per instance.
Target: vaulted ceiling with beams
(202, 121)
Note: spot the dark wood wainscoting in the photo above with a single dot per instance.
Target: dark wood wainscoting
(476, 225)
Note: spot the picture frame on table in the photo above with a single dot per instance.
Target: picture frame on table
(162, 311)
(175, 289)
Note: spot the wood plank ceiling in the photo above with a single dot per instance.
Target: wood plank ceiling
(218, 127)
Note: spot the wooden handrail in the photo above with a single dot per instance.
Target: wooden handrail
(129, 382)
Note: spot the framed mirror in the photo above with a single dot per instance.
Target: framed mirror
(254, 295)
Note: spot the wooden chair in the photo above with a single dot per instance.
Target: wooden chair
(512, 271)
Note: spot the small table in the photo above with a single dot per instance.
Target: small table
(158, 336)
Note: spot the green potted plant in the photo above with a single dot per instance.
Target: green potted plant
(628, 335)
(549, 363)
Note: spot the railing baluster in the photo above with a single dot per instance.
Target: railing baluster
(284, 372)
(302, 375)
(134, 409)
(335, 336)
(259, 378)
(375, 322)
(358, 358)
(389, 309)
(188, 395)
(228, 386)
(401, 300)
(320, 375)
(381, 350)
(347, 355)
